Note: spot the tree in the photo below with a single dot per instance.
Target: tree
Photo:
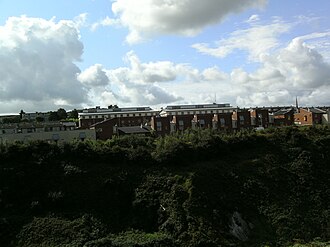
(21, 114)
(73, 114)
(53, 116)
(61, 114)
(40, 119)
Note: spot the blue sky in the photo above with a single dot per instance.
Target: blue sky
(77, 54)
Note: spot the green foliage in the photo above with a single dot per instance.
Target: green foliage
(54, 231)
(60, 114)
(9, 120)
(73, 114)
(134, 238)
(178, 190)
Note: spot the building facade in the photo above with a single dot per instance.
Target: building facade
(203, 116)
(50, 132)
(259, 117)
(133, 116)
(284, 117)
(308, 116)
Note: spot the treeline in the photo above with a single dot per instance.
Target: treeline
(59, 115)
(199, 188)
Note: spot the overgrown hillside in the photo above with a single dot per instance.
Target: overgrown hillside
(201, 188)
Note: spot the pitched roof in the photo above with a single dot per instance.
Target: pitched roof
(316, 110)
(102, 122)
(282, 112)
(134, 130)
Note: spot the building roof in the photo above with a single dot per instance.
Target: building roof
(316, 110)
(282, 112)
(117, 111)
(134, 130)
(27, 125)
(198, 106)
(102, 122)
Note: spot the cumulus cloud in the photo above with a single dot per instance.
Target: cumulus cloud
(136, 84)
(37, 63)
(256, 40)
(296, 70)
(147, 18)
(94, 76)
(138, 72)
(105, 22)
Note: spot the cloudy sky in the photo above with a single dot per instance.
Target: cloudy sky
(77, 54)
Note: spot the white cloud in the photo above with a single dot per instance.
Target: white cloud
(37, 63)
(256, 40)
(147, 18)
(253, 18)
(320, 42)
(214, 74)
(137, 84)
(295, 70)
(142, 73)
(105, 22)
(38, 72)
(94, 76)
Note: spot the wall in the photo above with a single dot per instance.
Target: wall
(53, 136)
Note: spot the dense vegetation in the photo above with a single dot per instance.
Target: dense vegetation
(199, 188)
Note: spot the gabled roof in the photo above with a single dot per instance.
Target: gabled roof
(316, 110)
(282, 112)
(313, 110)
(198, 106)
(102, 122)
(134, 130)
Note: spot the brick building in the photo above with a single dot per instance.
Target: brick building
(284, 117)
(181, 117)
(106, 122)
(259, 117)
(308, 116)
(241, 119)
(133, 116)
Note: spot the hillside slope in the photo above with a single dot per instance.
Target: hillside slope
(193, 189)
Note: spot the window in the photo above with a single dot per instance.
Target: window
(82, 136)
(305, 118)
(159, 126)
(241, 120)
(202, 123)
(181, 125)
(222, 122)
(56, 137)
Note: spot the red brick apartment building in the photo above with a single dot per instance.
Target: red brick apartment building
(284, 117)
(308, 116)
(108, 122)
(241, 119)
(259, 117)
(181, 117)
(176, 118)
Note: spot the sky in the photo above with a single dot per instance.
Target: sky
(87, 53)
